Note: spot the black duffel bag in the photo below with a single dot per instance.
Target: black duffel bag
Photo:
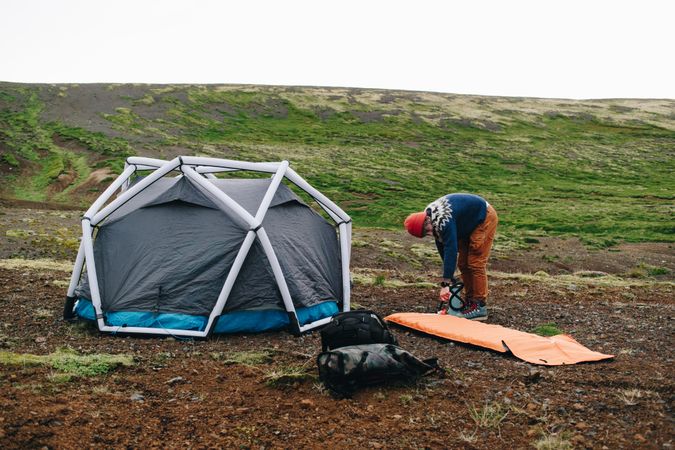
(345, 369)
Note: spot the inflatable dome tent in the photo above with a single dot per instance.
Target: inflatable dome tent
(182, 252)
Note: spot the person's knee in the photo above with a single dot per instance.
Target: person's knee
(477, 267)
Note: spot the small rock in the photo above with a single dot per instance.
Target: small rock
(176, 380)
(41, 340)
(578, 440)
(534, 377)
(136, 397)
(397, 417)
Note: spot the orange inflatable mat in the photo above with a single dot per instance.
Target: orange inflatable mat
(549, 351)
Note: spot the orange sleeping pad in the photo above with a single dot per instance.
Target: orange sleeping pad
(550, 351)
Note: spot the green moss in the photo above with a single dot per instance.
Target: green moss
(643, 270)
(22, 234)
(28, 138)
(10, 159)
(93, 141)
(20, 128)
(547, 329)
(655, 270)
(67, 361)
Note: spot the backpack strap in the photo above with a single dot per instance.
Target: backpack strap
(433, 363)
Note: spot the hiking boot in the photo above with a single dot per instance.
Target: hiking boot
(475, 311)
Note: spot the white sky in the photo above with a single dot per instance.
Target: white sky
(542, 48)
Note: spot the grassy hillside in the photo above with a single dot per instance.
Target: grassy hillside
(600, 170)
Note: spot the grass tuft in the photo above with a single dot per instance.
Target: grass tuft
(379, 280)
(630, 397)
(287, 375)
(491, 415)
(249, 358)
(67, 361)
(36, 264)
(554, 441)
(405, 399)
(468, 438)
(651, 270)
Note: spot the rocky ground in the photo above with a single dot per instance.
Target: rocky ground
(261, 391)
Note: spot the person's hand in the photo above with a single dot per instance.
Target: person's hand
(444, 294)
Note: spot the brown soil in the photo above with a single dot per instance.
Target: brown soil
(94, 185)
(182, 394)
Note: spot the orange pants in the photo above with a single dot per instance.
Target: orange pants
(473, 257)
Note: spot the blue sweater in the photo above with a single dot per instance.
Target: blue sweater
(454, 217)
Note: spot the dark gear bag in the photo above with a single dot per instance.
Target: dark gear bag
(345, 369)
(355, 328)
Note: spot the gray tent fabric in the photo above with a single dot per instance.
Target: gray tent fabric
(307, 249)
(170, 248)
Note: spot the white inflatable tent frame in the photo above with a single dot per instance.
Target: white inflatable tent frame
(201, 170)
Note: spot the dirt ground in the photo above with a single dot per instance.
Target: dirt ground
(189, 394)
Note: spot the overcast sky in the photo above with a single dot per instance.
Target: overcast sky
(543, 48)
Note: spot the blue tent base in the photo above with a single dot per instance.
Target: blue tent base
(234, 322)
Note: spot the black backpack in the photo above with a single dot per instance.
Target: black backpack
(355, 328)
(346, 369)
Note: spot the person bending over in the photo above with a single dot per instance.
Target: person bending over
(463, 224)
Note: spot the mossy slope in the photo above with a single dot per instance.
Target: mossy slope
(597, 169)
